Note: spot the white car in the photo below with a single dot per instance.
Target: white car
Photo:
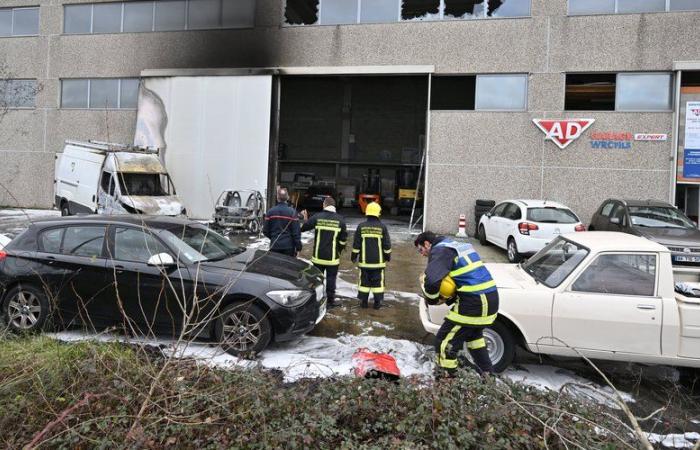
(604, 295)
(524, 227)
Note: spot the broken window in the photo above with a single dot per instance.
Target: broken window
(336, 12)
(464, 9)
(590, 92)
(508, 8)
(452, 93)
(420, 10)
(301, 12)
(379, 11)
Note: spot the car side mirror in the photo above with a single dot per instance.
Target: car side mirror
(615, 220)
(161, 260)
(488, 215)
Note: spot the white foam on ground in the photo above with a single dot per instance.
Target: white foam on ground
(685, 440)
(32, 213)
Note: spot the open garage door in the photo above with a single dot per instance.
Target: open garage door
(214, 132)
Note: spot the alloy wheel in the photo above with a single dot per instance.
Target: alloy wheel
(241, 331)
(24, 310)
(494, 345)
(512, 251)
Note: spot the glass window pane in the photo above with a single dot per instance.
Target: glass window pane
(138, 16)
(107, 18)
(238, 13)
(170, 15)
(130, 93)
(104, 93)
(5, 22)
(685, 5)
(74, 94)
(420, 9)
(51, 240)
(452, 92)
(501, 92)
(643, 92)
(77, 18)
(338, 12)
(379, 11)
(619, 274)
(591, 7)
(26, 22)
(20, 94)
(135, 245)
(509, 8)
(465, 9)
(640, 6)
(204, 14)
(84, 241)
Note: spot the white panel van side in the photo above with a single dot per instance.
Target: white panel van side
(77, 177)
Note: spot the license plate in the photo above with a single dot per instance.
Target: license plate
(687, 258)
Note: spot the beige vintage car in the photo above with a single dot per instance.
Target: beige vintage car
(605, 295)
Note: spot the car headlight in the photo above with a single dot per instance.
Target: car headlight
(289, 298)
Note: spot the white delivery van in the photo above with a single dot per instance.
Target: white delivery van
(106, 178)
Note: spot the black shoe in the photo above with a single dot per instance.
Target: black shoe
(332, 304)
(377, 305)
(363, 303)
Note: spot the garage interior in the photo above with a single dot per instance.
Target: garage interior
(354, 137)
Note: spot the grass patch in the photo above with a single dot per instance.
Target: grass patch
(116, 396)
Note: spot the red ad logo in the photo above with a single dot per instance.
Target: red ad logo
(563, 131)
(695, 111)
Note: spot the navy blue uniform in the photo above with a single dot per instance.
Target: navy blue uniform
(282, 227)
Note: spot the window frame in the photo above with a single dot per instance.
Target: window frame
(655, 294)
(153, 3)
(399, 19)
(526, 76)
(12, 21)
(667, 9)
(89, 91)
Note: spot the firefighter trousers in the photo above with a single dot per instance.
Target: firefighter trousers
(371, 282)
(331, 273)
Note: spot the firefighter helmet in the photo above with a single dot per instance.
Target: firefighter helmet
(448, 288)
(373, 209)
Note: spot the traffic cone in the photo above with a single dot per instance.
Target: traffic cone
(462, 226)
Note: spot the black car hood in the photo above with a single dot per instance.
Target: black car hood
(270, 264)
(679, 237)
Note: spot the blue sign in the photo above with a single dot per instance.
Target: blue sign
(691, 163)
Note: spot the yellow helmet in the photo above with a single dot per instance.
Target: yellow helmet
(448, 288)
(373, 209)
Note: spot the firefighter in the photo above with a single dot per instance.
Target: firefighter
(474, 307)
(282, 226)
(371, 249)
(330, 238)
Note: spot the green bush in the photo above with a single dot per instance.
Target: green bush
(91, 395)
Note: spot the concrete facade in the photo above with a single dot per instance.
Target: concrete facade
(472, 154)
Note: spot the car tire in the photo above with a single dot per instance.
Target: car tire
(489, 203)
(512, 250)
(501, 345)
(65, 209)
(243, 329)
(26, 309)
(482, 236)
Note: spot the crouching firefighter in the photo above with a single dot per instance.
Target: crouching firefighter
(330, 238)
(474, 307)
(371, 249)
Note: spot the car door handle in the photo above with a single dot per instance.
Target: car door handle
(119, 269)
(646, 307)
(50, 259)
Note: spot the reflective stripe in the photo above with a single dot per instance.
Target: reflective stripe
(477, 287)
(362, 288)
(466, 269)
(387, 251)
(476, 344)
(375, 290)
(484, 306)
(325, 262)
(428, 295)
(342, 243)
(443, 360)
(371, 266)
(354, 250)
(470, 320)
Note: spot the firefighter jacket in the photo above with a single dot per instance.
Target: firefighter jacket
(282, 227)
(471, 277)
(371, 247)
(330, 236)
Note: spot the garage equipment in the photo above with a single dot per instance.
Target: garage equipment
(231, 213)
(371, 189)
(407, 192)
(369, 364)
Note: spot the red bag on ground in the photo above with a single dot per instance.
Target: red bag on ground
(375, 365)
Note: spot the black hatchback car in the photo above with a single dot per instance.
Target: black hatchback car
(654, 220)
(156, 275)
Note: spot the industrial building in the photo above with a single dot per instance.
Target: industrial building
(379, 94)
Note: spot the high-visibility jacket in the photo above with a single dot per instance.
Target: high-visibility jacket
(330, 237)
(371, 247)
(472, 279)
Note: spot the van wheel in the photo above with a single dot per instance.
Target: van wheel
(65, 209)
(243, 329)
(513, 255)
(26, 309)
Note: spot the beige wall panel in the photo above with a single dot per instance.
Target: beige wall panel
(29, 179)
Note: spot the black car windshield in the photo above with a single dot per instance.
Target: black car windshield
(148, 184)
(199, 243)
(554, 263)
(659, 217)
(551, 215)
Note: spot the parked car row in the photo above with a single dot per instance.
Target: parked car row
(523, 227)
(157, 275)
